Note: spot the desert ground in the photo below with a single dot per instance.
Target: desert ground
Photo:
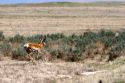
(31, 20)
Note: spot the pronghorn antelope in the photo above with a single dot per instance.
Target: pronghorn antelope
(35, 47)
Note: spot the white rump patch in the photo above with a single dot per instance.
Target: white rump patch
(26, 45)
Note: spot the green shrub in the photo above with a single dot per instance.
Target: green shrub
(54, 37)
(18, 52)
(108, 42)
(65, 51)
(56, 53)
(122, 35)
(118, 46)
(119, 81)
(6, 49)
(76, 54)
(116, 51)
(1, 36)
(17, 38)
(106, 33)
(35, 38)
(73, 47)
(107, 37)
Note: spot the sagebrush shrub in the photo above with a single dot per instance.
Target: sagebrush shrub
(18, 52)
(1, 36)
(17, 38)
(34, 38)
(5, 49)
(74, 47)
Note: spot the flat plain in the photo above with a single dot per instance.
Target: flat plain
(36, 19)
(30, 20)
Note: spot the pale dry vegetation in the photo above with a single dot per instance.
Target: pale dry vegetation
(21, 24)
(67, 20)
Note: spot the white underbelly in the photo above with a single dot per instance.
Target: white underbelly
(35, 48)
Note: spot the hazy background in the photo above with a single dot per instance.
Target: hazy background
(37, 1)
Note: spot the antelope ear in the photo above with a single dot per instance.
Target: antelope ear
(41, 38)
(44, 39)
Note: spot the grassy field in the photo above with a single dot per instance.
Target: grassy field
(42, 20)
(66, 18)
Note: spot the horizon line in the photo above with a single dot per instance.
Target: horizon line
(55, 2)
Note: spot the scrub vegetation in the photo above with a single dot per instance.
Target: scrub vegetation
(104, 44)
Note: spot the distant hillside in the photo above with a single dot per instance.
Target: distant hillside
(113, 3)
(70, 4)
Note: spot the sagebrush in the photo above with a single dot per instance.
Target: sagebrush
(104, 43)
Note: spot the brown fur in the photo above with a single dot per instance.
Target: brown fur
(36, 45)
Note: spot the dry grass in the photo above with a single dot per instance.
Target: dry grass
(57, 72)
(33, 20)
